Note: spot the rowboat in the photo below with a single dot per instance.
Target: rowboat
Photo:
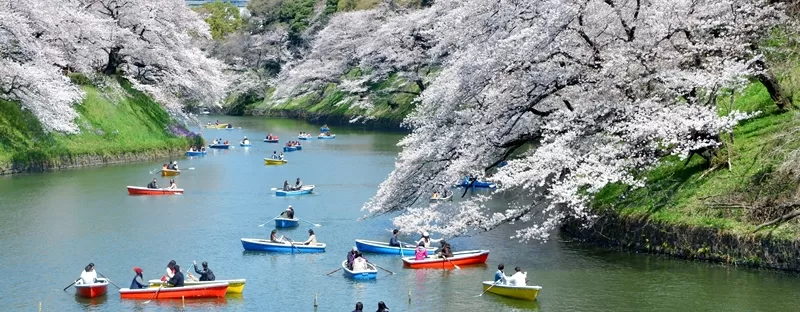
(477, 184)
(220, 146)
(308, 137)
(169, 172)
(212, 290)
(219, 126)
(235, 286)
(302, 191)
(245, 144)
(136, 190)
(289, 148)
(256, 244)
(360, 275)
(273, 140)
(195, 153)
(324, 129)
(298, 147)
(441, 199)
(91, 290)
(326, 137)
(519, 292)
(286, 223)
(364, 245)
(458, 258)
(270, 161)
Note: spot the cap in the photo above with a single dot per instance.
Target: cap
(354, 248)
(137, 269)
(425, 234)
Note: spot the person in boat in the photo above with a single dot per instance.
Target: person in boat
(312, 239)
(394, 241)
(170, 271)
(226, 142)
(230, 125)
(153, 184)
(88, 276)
(245, 141)
(164, 166)
(421, 252)
(273, 237)
(172, 184)
(174, 165)
(217, 123)
(206, 274)
(435, 195)
(203, 149)
(444, 251)
(360, 263)
(286, 186)
(298, 185)
(214, 142)
(500, 277)
(281, 156)
(288, 213)
(359, 307)
(275, 155)
(519, 278)
(427, 240)
(138, 279)
(382, 307)
(351, 256)
(177, 279)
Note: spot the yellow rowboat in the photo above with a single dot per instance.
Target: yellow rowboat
(519, 292)
(235, 286)
(219, 126)
(269, 161)
(169, 172)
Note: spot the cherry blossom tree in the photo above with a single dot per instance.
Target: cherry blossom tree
(574, 95)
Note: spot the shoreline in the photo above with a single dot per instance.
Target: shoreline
(377, 123)
(85, 160)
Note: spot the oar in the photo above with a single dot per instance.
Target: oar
(291, 242)
(109, 280)
(334, 271)
(157, 290)
(487, 289)
(390, 272)
(448, 260)
(314, 224)
(401, 249)
(271, 219)
(70, 285)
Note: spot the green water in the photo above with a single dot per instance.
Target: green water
(53, 224)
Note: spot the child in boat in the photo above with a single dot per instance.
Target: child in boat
(138, 279)
(420, 253)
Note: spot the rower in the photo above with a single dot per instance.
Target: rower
(288, 213)
(273, 237)
(394, 242)
(444, 251)
(274, 155)
(500, 277)
(360, 263)
(246, 141)
(206, 274)
(172, 184)
(152, 185)
(88, 276)
(298, 185)
(177, 279)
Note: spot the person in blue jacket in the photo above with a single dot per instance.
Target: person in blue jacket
(138, 280)
(394, 241)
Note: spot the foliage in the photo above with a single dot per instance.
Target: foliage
(222, 18)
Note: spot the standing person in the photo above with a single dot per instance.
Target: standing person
(394, 242)
(312, 239)
(499, 276)
(427, 240)
(382, 307)
(89, 276)
(519, 278)
(138, 280)
(206, 274)
(153, 184)
(359, 307)
(177, 279)
(170, 271)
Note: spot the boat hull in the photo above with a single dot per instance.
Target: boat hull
(362, 275)
(235, 286)
(441, 199)
(268, 161)
(92, 290)
(169, 172)
(383, 248)
(135, 190)
(190, 153)
(305, 190)
(324, 129)
(219, 146)
(325, 137)
(271, 141)
(289, 148)
(219, 126)
(298, 147)
(304, 138)
(215, 290)
(459, 258)
(255, 244)
(518, 292)
(245, 145)
(286, 223)
(478, 184)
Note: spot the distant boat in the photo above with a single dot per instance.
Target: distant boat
(136, 190)
(205, 112)
(370, 274)
(195, 153)
(383, 248)
(286, 223)
(519, 292)
(255, 244)
(91, 290)
(302, 191)
(213, 290)
(458, 258)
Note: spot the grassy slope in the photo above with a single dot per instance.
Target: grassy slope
(678, 194)
(112, 121)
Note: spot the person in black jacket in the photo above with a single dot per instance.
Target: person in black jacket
(152, 185)
(206, 274)
(138, 280)
(177, 279)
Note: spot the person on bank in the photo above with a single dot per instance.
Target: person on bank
(206, 274)
(312, 239)
(88, 276)
(394, 242)
(177, 279)
(153, 184)
(138, 279)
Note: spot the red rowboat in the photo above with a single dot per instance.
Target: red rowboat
(91, 290)
(458, 258)
(215, 290)
(135, 190)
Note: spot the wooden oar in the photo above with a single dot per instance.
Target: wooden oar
(487, 289)
(448, 260)
(109, 280)
(334, 271)
(157, 290)
(271, 219)
(314, 224)
(291, 242)
(70, 285)
(390, 272)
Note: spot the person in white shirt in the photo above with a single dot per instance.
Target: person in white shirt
(89, 276)
(427, 240)
(519, 278)
(360, 263)
(312, 239)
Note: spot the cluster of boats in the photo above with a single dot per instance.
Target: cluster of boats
(160, 290)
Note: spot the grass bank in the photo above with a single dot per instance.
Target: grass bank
(114, 120)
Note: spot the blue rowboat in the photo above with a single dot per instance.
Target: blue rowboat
(299, 147)
(477, 184)
(248, 144)
(324, 129)
(190, 153)
(302, 191)
(220, 146)
(360, 275)
(325, 137)
(364, 245)
(271, 141)
(286, 223)
(289, 148)
(304, 137)
(256, 244)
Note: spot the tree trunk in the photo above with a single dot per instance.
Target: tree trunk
(773, 87)
(114, 60)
